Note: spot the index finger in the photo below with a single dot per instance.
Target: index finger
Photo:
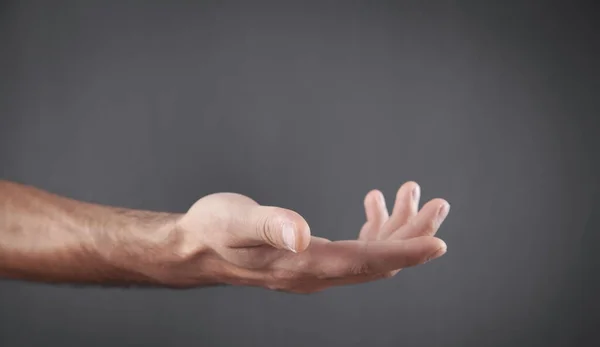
(351, 258)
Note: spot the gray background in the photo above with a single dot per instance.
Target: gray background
(155, 104)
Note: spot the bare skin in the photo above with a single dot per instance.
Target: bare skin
(223, 239)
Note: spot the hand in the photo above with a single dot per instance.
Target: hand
(230, 239)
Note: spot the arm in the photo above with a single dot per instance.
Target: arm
(223, 238)
(45, 237)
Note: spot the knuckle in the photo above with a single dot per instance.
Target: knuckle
(263, 229)
(360, 268)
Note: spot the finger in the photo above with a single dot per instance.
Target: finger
(426, 223)
(309, 287)
(353, 258)
(315, 240)
(278, 227)
(345, 281)
(406, 206)
(377, 215)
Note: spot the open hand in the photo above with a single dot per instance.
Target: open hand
(231, 239)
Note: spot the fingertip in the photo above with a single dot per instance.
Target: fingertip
(440, 249)
(410, 186)
(427, 245)
(435, 207)
(443, 247)
(301, 231)
(282, 228)
(374, 197)
(439, 202)
(303, 236)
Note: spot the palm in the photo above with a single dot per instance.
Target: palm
(386, 243)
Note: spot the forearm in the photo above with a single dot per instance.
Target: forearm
(45, 237)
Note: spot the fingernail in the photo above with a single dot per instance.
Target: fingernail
(443, 212)
(381, 200)
(289, 236)
(416, 193)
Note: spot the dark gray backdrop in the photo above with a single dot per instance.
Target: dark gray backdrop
(155, 104)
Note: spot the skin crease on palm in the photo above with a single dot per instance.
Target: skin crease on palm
(245, 243)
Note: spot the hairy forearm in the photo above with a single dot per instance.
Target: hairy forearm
(45, 237)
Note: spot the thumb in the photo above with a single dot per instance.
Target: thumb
(279, 227)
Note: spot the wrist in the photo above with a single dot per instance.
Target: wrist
(138, 246)
(160, 249)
